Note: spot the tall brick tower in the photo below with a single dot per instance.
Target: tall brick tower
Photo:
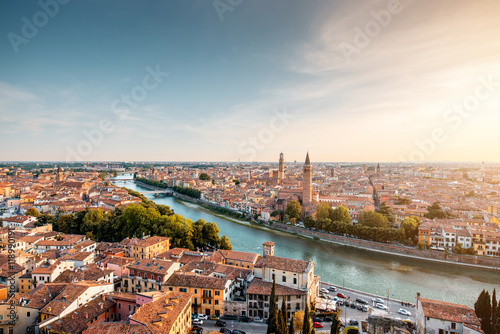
(378, 168)
(307, 184)
(281, 172)
(59, 175)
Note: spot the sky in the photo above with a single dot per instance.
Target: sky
(241, 80)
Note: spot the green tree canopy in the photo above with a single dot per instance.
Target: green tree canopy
(483, 311)
(225, 243)
(403, 201)
(372, 219)
(386, 211)
(340, 214)
(293, 209)
(32, 212)
(204, 177)
(323, 210)
(272, 324)
(409, 229)
(435, 211)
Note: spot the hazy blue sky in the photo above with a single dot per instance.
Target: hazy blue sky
(347, 80)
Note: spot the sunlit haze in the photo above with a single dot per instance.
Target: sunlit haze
(376, 81)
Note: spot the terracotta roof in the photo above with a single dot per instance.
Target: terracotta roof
(76, 321)
(239, 256)
(285, 264)
(151, 266)
(260, 287)
(197, 281)
(151, 241)
(118, 327)
(449, 312)
(160, 315)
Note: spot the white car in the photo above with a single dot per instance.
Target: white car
(202, 316)
(378, 300)
(332, 288)
(258, 319)
(323, 290)
(381, 306)
(404, 312)
(197, 321)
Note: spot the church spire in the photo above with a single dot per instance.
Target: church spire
(308, 162)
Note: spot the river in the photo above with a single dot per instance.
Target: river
(354, 268)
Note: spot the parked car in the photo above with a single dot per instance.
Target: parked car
(381, 306)
(258, 319)
(197, 321)
(378, 300)
(332, 288)
(340, 302)
(318, 325)
(214, 317)
(353, 305)
(404, 312)
(317, 319)
(360, 307)
(237, 331)
(196, 330)
(323, 290)
(341, 295)
(225, 330)
(366, 308)
(328, 319)
(202, 316)
(353, 322)
(244, 318)
(361, 300)
(220, 323)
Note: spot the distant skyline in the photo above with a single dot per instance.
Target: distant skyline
(374, 81)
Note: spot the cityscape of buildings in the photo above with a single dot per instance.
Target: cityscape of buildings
(70, 283)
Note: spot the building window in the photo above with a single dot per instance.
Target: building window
(441, 331)
(216, 302)
(273, 277)
(119, 306)
(217, 293)
(195, 290)
(294, 280)
(28, 314)
(182, 290)
(453, 325)
(284, 279)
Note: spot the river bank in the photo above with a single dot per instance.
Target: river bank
(409, 252)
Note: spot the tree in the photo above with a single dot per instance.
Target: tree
(293, 209)
(32, 212)
(435, 211)
(409, 229)
(211, 235)
(204, 177)
(309, 221)
(403, 201)
(272, 325)
(225, 243)
(306, 325)
(386, 211)
(341, 214)
(282, 319)
(291, 328)
(494, 306)
(372, 219)
(335, 329)
(298, 321)
(323, 210)
(483, 311)
(496, 325)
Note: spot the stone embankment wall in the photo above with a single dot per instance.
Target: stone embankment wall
(484, 262)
